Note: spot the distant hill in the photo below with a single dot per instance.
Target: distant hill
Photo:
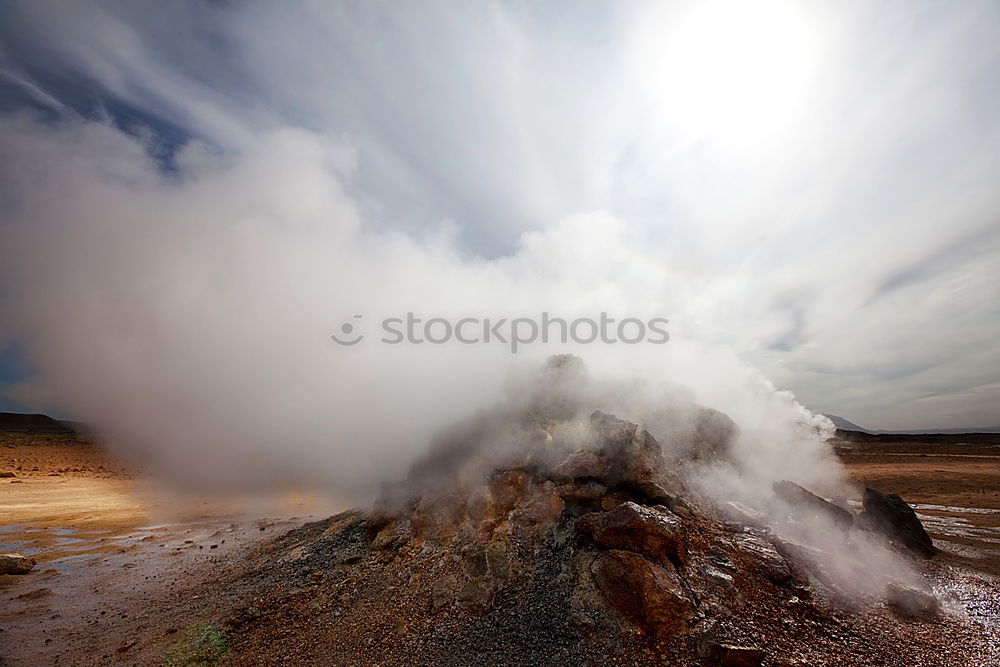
(844, 425)
(33, 424)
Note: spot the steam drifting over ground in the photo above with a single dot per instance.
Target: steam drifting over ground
(188, 314)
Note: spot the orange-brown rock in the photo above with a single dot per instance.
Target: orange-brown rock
(650, 594)
(653, 531)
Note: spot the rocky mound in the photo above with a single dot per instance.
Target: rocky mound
(540, 536)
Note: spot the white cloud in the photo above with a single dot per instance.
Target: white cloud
(851, 252)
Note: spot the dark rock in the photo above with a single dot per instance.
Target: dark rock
(497, 559)
(807, 506)
(476, 594)
(720, 558)
(7, 474)
(646, 530)
(907, 601)
(893, 517)
(15, 563)
(443, 592)
(730, 655)
(649, 594)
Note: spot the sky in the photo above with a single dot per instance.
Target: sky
(809, 187)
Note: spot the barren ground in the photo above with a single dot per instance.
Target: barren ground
(115, 555)
(955, 489)
(127, 574)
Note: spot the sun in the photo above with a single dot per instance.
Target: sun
(729, 69)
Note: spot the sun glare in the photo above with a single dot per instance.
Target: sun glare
(727, 69)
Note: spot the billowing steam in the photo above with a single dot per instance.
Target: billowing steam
(188, 315)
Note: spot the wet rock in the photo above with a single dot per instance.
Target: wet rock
(768, 561)
(15, 563)
(654, 531)
(732, 655)
(649, 594)
(717, 576)
(807, 506)
(907, 601)
(893, 517)
(720, 558)
(743, 514)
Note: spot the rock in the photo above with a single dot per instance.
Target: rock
(743, 514)
(730, 655)
(540, 507)
(392, 534)
(812, 558)
(582, 622)
(769, 562)
(907, 601)
(714, 435)
(649, 594)
(7, 474)
(476, 594)
(15, 563)
(582, 492)
(631, 458)
(580, 464)
(497, 560)
(646, 530)
(717, 576)
(437, 514)
(893, 517)
(721, 558)
(443, 592)
(807, 506)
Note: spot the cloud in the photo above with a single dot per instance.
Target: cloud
(849, 251)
